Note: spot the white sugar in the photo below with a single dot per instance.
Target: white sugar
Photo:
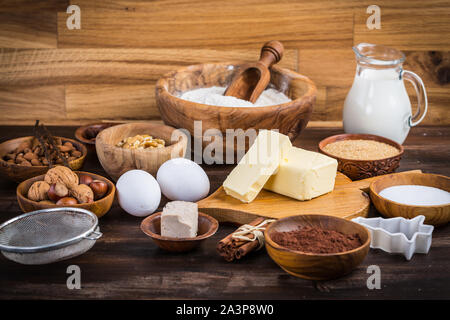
(416, 195)
(214, 96)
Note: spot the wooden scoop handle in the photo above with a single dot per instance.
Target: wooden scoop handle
(271, 53)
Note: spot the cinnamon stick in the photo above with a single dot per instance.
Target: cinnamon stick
(230, 248)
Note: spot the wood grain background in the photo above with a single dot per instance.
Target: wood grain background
(108, 69)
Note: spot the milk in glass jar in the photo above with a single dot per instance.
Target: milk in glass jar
(378, 102)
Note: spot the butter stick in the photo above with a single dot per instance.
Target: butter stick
(255, 168)
(303, 175)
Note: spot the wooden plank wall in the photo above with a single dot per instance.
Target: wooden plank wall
(108, 69)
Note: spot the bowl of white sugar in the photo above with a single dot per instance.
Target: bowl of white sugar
(192, 98)
(413, 194)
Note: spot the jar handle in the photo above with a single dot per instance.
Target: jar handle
(422, 99)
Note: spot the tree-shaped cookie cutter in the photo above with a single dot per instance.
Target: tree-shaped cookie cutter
(398, 235)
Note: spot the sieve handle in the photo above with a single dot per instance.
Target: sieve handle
(94, 235)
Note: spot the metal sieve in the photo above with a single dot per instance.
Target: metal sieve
(49, 235)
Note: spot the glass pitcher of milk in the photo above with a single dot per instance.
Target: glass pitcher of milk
(378, 102)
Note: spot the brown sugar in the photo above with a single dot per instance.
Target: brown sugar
(317, 240)
(361, 149)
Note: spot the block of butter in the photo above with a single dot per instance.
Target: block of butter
(258, 164)
(179, 219)
(303, 174)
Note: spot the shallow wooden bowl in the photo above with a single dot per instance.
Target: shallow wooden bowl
(435, 215)
(151, 226)
(317, 266)
(20, 173)
(290, 118)
(99, 207)
(116, 160)
(362, 169)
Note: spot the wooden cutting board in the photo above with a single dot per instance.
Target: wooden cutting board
(348, 200)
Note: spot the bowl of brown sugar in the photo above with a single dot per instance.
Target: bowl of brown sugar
(317, 247)
(362, 156)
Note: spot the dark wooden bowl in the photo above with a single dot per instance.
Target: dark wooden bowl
(435, 215)
(317, 266)
(99, 207)
(85, 135)
(20, 173)
(151, 226)
(290, 118)
(362, 169)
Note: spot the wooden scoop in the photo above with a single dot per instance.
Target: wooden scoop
(254, 77)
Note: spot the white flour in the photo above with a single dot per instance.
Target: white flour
(416, 195)
(214, 96)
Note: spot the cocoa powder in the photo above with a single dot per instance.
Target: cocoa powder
(317, 240)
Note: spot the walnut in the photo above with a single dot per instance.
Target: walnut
(38, 191)
(82, 193)
(61, 174)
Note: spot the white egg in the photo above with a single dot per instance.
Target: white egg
(183, 179)
(138, 193)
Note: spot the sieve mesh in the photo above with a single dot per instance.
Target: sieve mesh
(45, 228)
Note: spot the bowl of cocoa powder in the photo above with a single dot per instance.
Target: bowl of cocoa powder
(317, 247)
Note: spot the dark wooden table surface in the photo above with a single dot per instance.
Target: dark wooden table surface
(125, 263)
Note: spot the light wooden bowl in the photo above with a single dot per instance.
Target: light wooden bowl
(435, 215)
(20, 173)
(290, 118)
(362, 169)
(151, 226)
(314, 266)
(99, 207)
(116, 160)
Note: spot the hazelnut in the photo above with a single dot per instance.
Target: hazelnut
(85, 179)
(57, 191)
(82, 193)
(99, 188)
(38, 191)
(62, 175)
(67, 201)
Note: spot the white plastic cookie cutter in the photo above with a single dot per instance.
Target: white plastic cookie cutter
(398, 235)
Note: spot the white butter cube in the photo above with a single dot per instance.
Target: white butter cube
(259, 163)
(179, 219)
(303, 174)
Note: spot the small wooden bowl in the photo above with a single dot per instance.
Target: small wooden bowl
(116, 160)
(99, 207)
(314, 266)
(20, 173)
(151, 226)
(435, 215)
(362, 169)
(290, 118)
(84, 134)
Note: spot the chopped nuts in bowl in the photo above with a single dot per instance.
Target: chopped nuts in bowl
(116, 159)
(141, 141)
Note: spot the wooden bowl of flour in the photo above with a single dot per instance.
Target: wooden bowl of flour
(289, 118)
